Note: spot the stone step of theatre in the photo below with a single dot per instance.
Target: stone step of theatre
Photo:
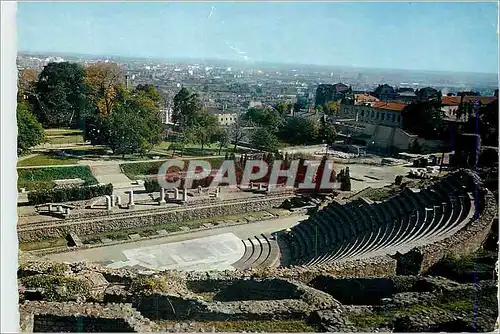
(364, 229)
(261, 251)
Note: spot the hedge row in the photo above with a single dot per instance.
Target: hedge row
(139, 169)
(75, 193)
(151, 185)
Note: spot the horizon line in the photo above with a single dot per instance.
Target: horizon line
(248, 63)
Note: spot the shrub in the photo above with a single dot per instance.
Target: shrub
(148, 285)
(345, 181)
(151, 185)
(58, 288)
(398, 180)
(65, 194)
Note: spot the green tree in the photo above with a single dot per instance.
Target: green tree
(223, 138)
(205, 129)
(184, 114)
(29, 131)
(62, 95)
(236, 131)
(299, 131)
(327, 132)
(152, 93)
(300, 104)
(264, 140)
(331, 107)
(345, 182)
(133, 127)
(284, 108)
(485, 123)
(424, 119)
(415, 147)
(268, 118)
(186, 105)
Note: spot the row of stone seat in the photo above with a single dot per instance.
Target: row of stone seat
(400, 237)
(359, 229)
(260, 252)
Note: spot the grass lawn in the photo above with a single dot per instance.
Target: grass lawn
(190, 149)
(62, 131)
(195, 149)
(42, 178)
(44, 159)
(65, 139)
(64, 136)
(28, 246)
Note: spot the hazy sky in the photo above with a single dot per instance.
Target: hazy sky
(422, 36)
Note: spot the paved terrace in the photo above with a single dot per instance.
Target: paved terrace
(201, 250)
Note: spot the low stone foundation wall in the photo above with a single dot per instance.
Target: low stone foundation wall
(167, 307)
(251, 310)
(253, 299)
(363, 291)
(42, 316)
(143, 219)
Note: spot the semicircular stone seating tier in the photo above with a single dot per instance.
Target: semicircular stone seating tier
(364, 229)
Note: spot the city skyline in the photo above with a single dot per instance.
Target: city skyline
(255, 33)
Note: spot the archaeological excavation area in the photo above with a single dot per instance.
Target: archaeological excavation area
(419, 260)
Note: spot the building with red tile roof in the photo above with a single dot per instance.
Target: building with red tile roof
(364, 98)
(394, 106)
(378, 112)
(450, 100)
(483, 100)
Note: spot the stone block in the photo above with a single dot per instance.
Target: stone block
(162, 232)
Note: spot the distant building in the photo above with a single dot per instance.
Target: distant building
(335, 92)
(255, 104)
(376, 125)
(480, 100)
(364, 99)
(427, 93)
(166, 115)
(449, 106)
(226, 119)
(385, 92)
(406, 95)
(380, 113)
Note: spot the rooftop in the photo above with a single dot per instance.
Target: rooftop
(482, 99)
(365, 97)
(450, 100)
(394, 106)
